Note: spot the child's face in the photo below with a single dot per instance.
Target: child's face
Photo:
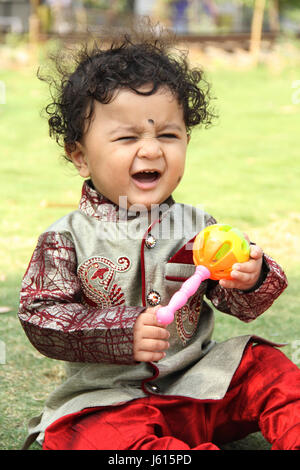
(135, 147)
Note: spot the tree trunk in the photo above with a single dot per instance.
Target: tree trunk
(274, 16)
(34, 22)
(256, 29)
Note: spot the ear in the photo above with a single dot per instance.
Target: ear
(188, 138)
(79, 159)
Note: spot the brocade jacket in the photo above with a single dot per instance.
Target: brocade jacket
(92, 274)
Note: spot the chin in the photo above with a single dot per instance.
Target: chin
(147, 205)
(140, 206)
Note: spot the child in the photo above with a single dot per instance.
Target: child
(98, 275)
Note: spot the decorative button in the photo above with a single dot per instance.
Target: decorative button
(153, 298)
(153, 388)
(150, 241)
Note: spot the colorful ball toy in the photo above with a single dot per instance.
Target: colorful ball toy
(215, 250)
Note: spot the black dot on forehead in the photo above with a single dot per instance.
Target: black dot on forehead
(150, 121)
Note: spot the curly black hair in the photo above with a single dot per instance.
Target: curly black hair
(128, 60)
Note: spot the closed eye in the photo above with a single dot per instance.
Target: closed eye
(125, 137)
(160, 136)
(168, 136)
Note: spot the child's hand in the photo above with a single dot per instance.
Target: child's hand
(149, 337)
(245, 275)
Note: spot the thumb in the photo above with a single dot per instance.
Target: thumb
(255, 252)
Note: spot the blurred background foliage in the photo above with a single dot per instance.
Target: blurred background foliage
(185, 16)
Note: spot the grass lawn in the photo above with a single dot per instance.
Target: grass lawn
(245, 170)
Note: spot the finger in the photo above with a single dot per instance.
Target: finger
(155, 332)
(247, 267)
(247, 238)
(145, 356)
(227, 284)
(150, 318)
(243, 277)
(154, 345)
(255, 252)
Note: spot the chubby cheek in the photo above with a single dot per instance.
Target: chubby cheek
(178, 171)
(109, 172)
(114, 180)
(172, 183)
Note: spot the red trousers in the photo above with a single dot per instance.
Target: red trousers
(264, 395)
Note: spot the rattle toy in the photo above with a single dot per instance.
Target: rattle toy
(215, 250)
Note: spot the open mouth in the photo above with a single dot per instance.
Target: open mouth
(146, 178)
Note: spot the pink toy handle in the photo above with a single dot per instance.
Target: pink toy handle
(165, 315)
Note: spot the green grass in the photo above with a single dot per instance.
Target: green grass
(245, 171)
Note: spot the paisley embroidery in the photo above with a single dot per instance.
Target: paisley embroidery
(187, 317)
(97, 276)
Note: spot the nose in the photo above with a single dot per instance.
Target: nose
(150, 148)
